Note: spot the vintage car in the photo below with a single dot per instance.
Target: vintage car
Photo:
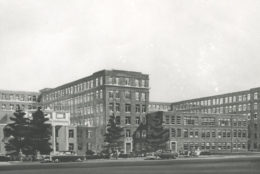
(167, 154)
(67, 156)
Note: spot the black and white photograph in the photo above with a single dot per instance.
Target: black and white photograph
(130, 86)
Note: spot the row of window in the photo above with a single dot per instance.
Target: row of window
(89, 146)
(18, 97)
(127, 120)
(89, 134)
(71, 146)
(13, 107)
(139, 96)
(83, 86)
(116, 107)
(226, 109)
(213, 145)
(204, 121)
(125, 81)
(177, 133)
(218, 101)
(157, 107)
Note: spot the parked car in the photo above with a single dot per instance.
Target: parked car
(46, 159)
(151, 156)
(167, 155)
(67, 156)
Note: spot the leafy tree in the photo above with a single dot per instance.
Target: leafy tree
(113, 136)
(40, 133)
(157, 140)
(17, 134)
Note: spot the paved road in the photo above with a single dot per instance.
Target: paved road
(248, 165)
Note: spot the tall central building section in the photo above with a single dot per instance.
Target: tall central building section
(93, 99)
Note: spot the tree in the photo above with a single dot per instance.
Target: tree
(40, 133)
(155, 137)
(113, 136)
(17, 134)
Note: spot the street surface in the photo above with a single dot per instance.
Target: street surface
(247, 165)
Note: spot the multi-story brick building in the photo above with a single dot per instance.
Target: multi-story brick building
(187, 131)
(242, 102)
(9, 101)
(93, 99)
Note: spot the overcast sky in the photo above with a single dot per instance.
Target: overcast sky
(190, 48)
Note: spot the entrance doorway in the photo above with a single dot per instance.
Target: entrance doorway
(128, 148)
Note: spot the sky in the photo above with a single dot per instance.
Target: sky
(190, 49)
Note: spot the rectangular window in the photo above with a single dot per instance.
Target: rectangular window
(196, 133)
(71, 133)
(143, 83)
(128, 133)
(191, 134)
(173, 119)
(255, 96)
(110, 80)
(118, 121)
(71, 146)
(235, 133)
(167, 119)
(240, 98)
(96, 82)
(136, 82)
(111, 107)
(117, 80)
(203, 134)
(101, 80)
(178, 119)
(101, 94)
(143, 108)
(178, 132)
(110, 94)
(224, 134)
(185, 146)
(127, 82)
(239, 134)
(117, 94)
(127, 108)
(208, 134)
(137, 97)
(137, 108)
(142, 96)
(173, 132)
(137, 120)
(117, 107)
(89, 134)
(127, 95)
(213, 134)
(228, 133)
(248, 97)
(185, 132)
(127, 120)
(244, 134)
